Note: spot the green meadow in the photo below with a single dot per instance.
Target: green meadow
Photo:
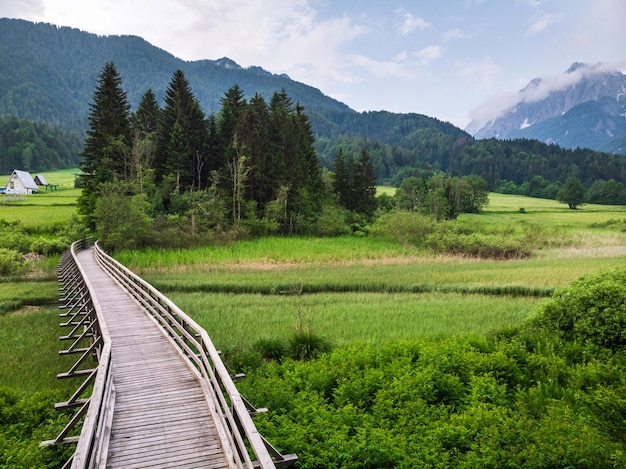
(369, 290)
(47, 207)
(370, 298)
(348, 289)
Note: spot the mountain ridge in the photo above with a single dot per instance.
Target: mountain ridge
(545, 107)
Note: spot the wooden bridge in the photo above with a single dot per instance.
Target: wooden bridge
(160, 394)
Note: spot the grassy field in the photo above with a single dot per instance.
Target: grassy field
(369, 290)
(354, 289)
(45, 207)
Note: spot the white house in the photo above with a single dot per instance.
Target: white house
(20, 182)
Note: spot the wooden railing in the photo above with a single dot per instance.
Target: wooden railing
(89, 339)
(193, 342)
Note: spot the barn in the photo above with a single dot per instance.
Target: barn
(20, 182)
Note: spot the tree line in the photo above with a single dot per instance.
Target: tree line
(248, 169)
(161, 175)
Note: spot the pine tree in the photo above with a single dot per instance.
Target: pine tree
(254, 137)
(342, 183)
(364, 189)
(146, 118)
(182, 109)
(107, 146)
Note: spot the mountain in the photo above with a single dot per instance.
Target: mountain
(585, 107)
(49, 73)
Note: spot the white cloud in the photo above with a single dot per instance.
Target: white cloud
(411, 22)
(542, 21)
(481, 75)
(455, 33)
(430, 53)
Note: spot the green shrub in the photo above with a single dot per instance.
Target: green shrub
(591, 310)
(482, 246)
(304, 345)
(405, 227)
(11, 262)
(47, 247)
(271, 349)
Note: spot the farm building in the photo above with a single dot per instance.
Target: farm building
(20, 182)
(40, 180)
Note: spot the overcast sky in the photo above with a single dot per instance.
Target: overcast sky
(450, 59)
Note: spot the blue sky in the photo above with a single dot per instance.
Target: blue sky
(455, 60)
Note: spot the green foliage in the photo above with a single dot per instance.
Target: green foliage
(451, 237)
(592, 310)
(572, 193)
(271, 349)
(471, 402)
(24, 423)
(11, 262)
(121, 221)
(36, 146)
(306, 344)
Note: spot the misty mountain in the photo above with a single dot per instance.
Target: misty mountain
(585, 107)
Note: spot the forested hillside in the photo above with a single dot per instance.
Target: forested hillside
(36, 146)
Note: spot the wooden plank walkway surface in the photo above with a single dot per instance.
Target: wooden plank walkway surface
(162, 418)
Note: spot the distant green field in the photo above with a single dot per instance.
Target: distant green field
(386, 190)
(45, 207)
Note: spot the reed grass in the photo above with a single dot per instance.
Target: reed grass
(29, 358)
(237, 321)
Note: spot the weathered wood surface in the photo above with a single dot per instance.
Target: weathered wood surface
(161, 416)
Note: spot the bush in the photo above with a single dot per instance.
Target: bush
(404, 227)
(483, 246)
(591, 310)
(271, 349)
(11, 262)
(304, 345)
(47, 247)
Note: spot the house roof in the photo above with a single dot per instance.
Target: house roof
(41, 180)
(26, 178)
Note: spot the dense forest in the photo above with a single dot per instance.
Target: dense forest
(36, 146)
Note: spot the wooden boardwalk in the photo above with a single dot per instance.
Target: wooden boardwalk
(162, 418)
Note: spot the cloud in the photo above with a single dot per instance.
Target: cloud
(430, 53)
(541, 22)
(22, 9)
(455, 33)
(481, 75)
(410, 23)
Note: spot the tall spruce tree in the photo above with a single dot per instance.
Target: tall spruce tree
(106, 151)
(182, 113)
(254, 137)
(342, 182)
(364, 189)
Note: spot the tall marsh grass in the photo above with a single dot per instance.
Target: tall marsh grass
(237, 321)
(29, 355)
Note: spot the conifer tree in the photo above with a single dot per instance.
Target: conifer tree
(182, 109)
(146, 118)
(364, 189)
(106, 150)
(342, 183)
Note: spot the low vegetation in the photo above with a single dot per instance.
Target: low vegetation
(383, 348)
